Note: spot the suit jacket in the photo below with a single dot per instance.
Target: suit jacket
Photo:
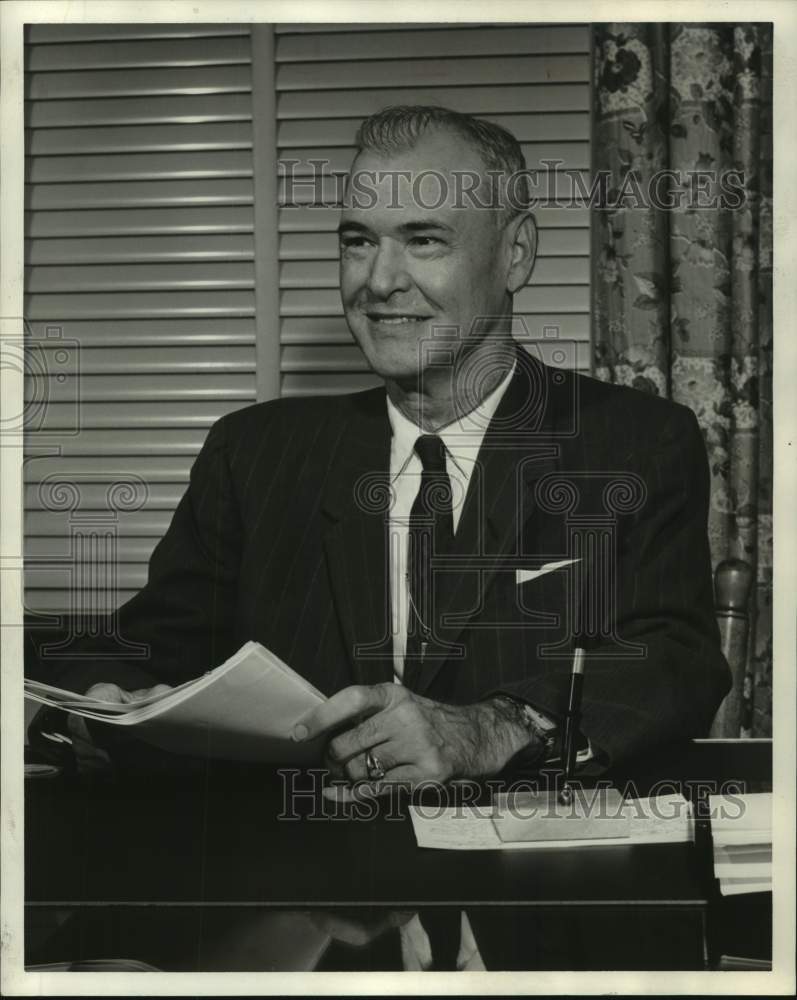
(281, 537)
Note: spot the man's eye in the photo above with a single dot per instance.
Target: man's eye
(352, 242)
(425, 241)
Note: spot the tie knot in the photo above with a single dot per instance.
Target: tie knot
(432, 453)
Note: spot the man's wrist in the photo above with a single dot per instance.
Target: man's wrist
(539, 732)
(512, 729)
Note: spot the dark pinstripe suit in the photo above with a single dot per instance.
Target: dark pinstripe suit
(281, 538)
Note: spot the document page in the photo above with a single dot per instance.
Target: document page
(665, 819)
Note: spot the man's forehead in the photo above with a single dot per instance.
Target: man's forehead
(433, 180)
(436, 149)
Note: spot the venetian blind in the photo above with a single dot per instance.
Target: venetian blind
(139, 288)
(532, 79)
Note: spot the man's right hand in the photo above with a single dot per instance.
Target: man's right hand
(87, 743)
(118, 696)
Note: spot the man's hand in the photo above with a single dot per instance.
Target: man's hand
(89, 753)
(118, 696)
(414, 738)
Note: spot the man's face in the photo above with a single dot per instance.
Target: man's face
(406, 267)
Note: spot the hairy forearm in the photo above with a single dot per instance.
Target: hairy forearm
(482, 738)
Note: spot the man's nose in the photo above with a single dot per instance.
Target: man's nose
(388, 273)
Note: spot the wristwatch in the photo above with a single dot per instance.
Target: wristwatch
(543, 732)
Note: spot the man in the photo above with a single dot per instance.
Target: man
(429, 553)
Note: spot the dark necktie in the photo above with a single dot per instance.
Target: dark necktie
(431, 532)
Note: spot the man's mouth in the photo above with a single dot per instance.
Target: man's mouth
(395, 319)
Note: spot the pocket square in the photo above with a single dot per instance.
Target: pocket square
(524, 575)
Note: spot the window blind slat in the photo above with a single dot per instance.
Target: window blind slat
(142, 388)
(122, 278)
(333, 27)
(438, 72)
(167, 219)
(129, 549)
(156, 53)
(139, 167)
(62, 307)
(186, 109)
(110, 468)
(150, 415)
(147, 332)
(140, 138)
(150, 360)
(39, 34)
(140, 523)
(58, 597)
(138, 82)
(413, 42)
(138, 249)
(118, 444)
(144, 194)
(94, 495)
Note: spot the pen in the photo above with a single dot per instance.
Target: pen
(572, 720)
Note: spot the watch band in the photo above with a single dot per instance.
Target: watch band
(543, 732)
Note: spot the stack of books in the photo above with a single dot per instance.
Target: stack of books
(741, 828)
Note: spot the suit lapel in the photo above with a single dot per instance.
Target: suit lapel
(356, 504)
(518, 449)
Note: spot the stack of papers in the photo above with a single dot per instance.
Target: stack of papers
(665, 819)
(741, 828)
(244, 709)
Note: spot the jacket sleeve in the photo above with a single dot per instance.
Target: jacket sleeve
(664, 601)
(183, 617)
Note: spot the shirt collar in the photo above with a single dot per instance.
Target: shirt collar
(465, 432)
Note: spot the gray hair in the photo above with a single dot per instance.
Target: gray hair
(400, 127)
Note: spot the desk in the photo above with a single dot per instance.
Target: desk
(203, 855)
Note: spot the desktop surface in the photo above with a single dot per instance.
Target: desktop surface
(213, 843)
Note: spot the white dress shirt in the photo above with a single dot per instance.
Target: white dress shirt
(462, 439)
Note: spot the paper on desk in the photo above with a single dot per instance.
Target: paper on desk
(751, 861)
(741, 828)
(738, 886)
(663, 820)
(741, 819)
(244, 709)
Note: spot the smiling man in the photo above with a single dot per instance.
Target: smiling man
(430, 552)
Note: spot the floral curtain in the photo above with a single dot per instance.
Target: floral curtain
(682, 266)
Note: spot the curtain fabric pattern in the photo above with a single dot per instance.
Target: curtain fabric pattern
(682, 295)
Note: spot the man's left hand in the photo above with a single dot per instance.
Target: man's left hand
(414, 739)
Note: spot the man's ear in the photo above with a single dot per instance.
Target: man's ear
(522, 232)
